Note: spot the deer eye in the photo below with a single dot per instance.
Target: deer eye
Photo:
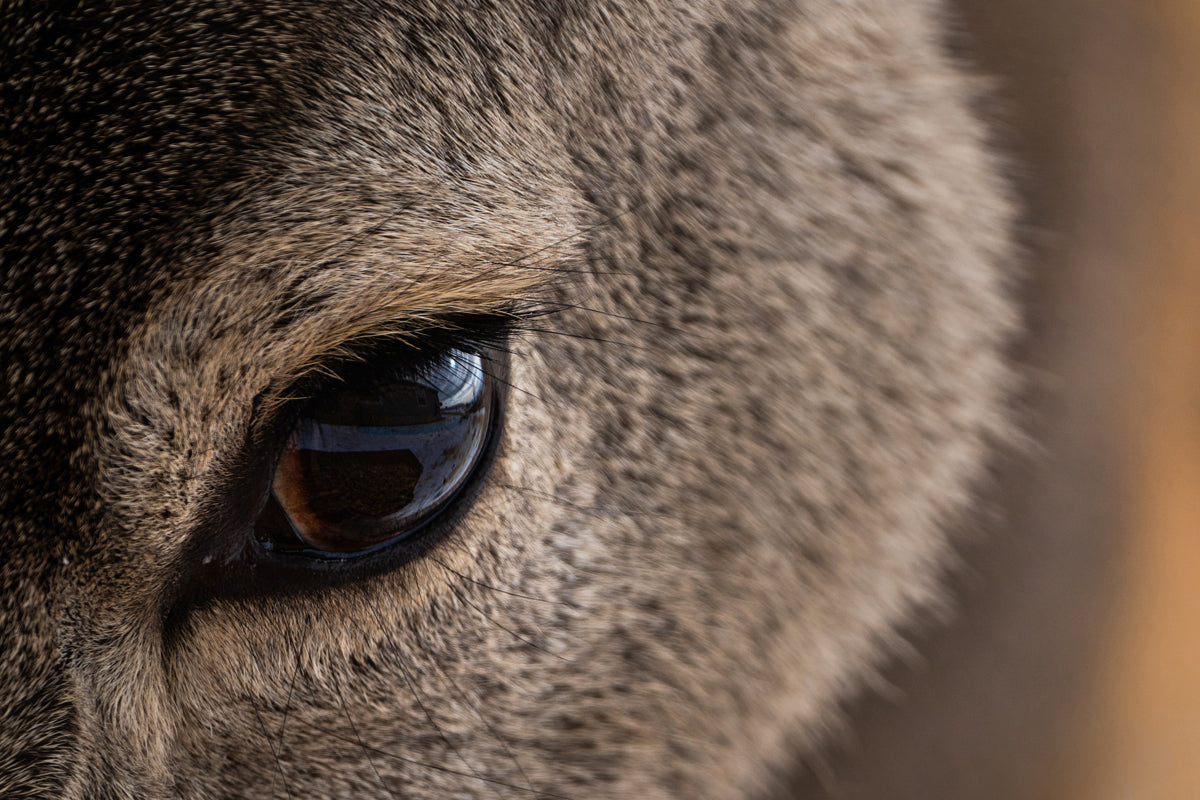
(377, 454)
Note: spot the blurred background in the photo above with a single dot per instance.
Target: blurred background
(1070, 668)
(1104, 99)
(1104, 102)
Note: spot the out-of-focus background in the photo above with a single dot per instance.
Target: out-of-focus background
(1103, 98)
(1070, 666)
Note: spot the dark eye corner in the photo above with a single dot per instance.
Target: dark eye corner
(370, 461)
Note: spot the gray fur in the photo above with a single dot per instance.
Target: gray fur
(781, 253)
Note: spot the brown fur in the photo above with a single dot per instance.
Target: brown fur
(779, 250)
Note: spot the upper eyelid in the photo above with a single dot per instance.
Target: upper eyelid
(478, 333)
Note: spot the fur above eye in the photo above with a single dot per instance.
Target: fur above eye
(377, 455)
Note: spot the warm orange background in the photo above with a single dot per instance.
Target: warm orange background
(1106, 99)
(1139, 730)
(1103, 97)
(1070, 669)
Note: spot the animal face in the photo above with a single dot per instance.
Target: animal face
(450, 399)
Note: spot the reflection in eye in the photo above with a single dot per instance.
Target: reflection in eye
(371, 460)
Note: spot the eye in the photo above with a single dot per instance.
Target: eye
(377, 454)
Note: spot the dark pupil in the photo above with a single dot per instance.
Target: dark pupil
(373, 460)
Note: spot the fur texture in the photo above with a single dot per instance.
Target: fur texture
(777, 248)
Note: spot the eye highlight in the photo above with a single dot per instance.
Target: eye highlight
(377, 455)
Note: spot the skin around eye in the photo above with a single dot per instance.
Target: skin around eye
(369, 462)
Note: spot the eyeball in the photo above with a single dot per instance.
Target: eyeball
(373, 458)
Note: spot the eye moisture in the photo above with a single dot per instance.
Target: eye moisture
(371, 460)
